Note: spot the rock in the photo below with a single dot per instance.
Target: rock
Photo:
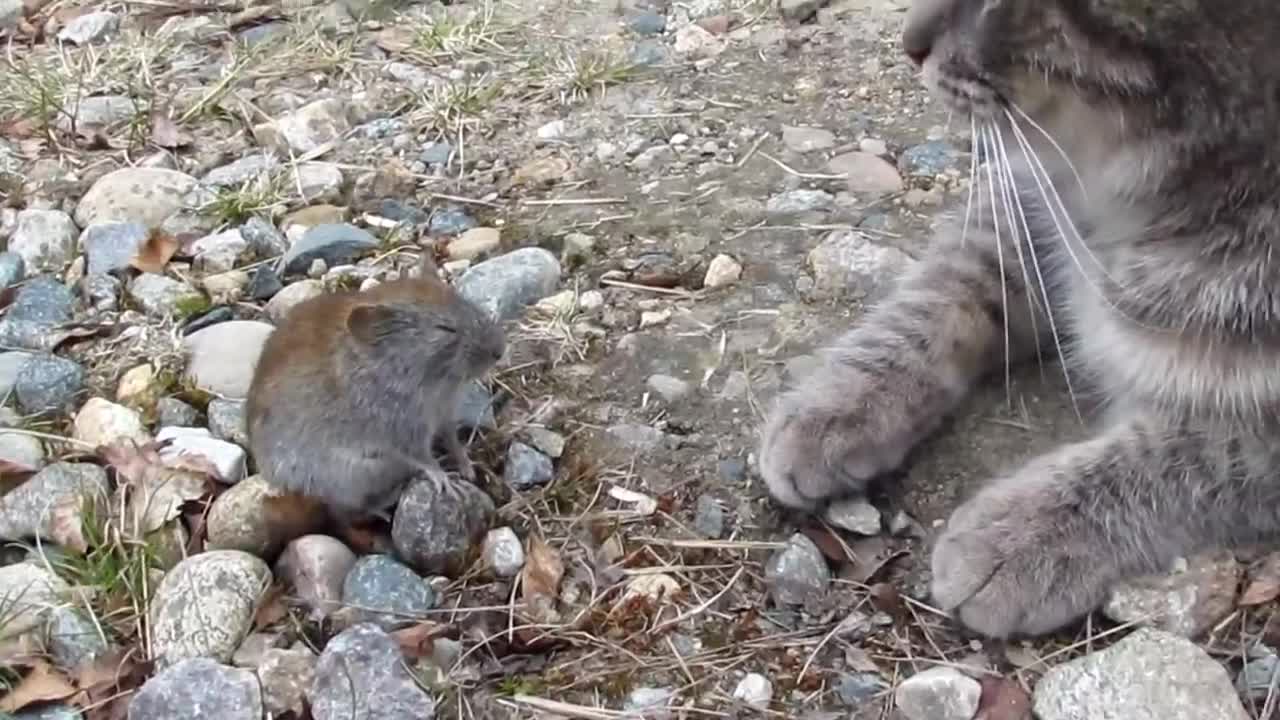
(219, 252)
(316, 566)
(855, 689)
(722, 272)
(668, 388)
(255, 646)
(135, 194)
(105, 111)
(708, 518)
(361, 675)
(928, 159)
(28, 592)
(334, 243)
(208, 318)
(174, 412)
(137, 388)
(292, 295)
(475, 408)
(56, 711)
(21, 449)
(264, 284)
(504, 285)
(450, 221)
(12, 269)
(868, 173)
(48, 383)
(386, 592)
(162, 296)
(227, 421)
(32, 322)
(800, 10)
(794, 202)
(855, 515)
(875, 146)
(648, 23)
(226, 288)
(526, 468)
(649, 702)
(89, 27)
(848, 262)
(434, 530)
(102, 422)
(221, 358)
(44, 239)
(73, 639)
(198, 689)
(205, 605)
(264, 240)
(755, 690)
(318, 182)
(102, 292)
(1149, 675)
(1258, 676)
(551, 130)
(940, 693)
(696, 42)
(306, 128)
(502, 552)
(807, 139)
(286, 676)
(11, 13)
(797, 573)
(436, 153)
(547, 442)
(1187, 601)
(247, 168)
(636, 437)
(238, 520)
(228, 459)
(474, 242)
(28, 510)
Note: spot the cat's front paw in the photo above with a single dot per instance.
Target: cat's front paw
(830, 435)
(1019, 560)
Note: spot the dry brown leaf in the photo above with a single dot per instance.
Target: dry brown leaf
(870, 556)
(1264, 586)
(828, 544)
(42, 684)
(165, 132)
(273, 608)
(66, 524)
(394, 39)
(417, 641)
(1003, 699)
(155, 252)
(156, 493)
(105, 685)
(540, 578)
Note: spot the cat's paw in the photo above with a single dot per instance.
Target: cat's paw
(833, 433)
(1016, 560)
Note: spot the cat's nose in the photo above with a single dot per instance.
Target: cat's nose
(917, 45)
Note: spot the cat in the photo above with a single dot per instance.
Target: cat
(1122, 220)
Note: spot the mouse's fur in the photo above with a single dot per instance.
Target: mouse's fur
(1145, 262)
(352, 388)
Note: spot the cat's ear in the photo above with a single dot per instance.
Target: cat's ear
(369, 324)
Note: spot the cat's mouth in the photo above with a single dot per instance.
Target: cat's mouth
(963, 92)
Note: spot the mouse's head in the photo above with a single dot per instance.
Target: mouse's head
(423, 324)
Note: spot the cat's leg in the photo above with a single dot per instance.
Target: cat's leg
(1042, 546)
(883, 386)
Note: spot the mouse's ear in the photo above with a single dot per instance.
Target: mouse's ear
(370, 323)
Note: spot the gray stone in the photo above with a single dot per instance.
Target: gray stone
(12, 269)
(526, 468)
(227, 459)
(361, 675)
(435, 529)
(28, 511)
(247, 168)
(306, 128)
(48, 383)
(939, 693)
(29, 592)
(219, 252)
(227, 421)
(386, 592)
(21, 449)
(547, 442)
(11, 13)
(136, 194)
(89, 27)
(847, 262)
(794, 202)
(855, 515)
(807, 139)
(160, 296)
(42, 300)
(198, 689)
(797, 573)
(800, 10)
(1149, 675)
(649, 702)
(868, 173)
(648, 23)
(45, 239)
(475, 408)
(667, 387)
(49, 712)
(222, 357)
(264, 284)
(103, 111)
(285, 676)
(504, 285)
(436, 153)
(318, 182)
(708, 518)
(648, 52)
(291, 296)
(502, 552)
(450, 221)
(73, 639)
(474, 242)
(112, 246)
(1187, 601)
(205, 605)
(264, 239)
(172, 412)
(1258, 677)
(102, 292)
(929, 159)
(237, 519)
(856, 689)
(316, 566)
(335, 244)
(636, 437)
(11, 364)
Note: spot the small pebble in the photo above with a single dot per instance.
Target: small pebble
(502, 552)
(526, 468)
(939, 693)
(754, 690)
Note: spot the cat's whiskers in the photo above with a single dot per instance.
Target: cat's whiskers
(1004, 291)
(973, 177)
(1062, 153)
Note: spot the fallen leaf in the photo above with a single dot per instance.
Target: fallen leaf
(105, 685)
(272, 608)
(13, 474)
(828, 544)
(165, 132)
(41, 684)
(1003, 699)
(417, 641)
(1264, 586)
(66, 525)
(155, 492)
(656, 587)
(887, 599)
(870, 556)
(155, 252)
(540, 578)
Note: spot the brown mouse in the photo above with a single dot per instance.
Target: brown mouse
(353, 387)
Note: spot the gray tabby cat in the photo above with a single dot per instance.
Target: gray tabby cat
(1144, 262)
